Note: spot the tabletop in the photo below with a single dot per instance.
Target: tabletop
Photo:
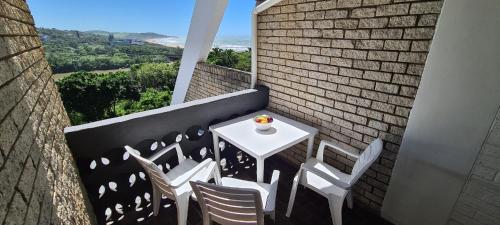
(242, 133)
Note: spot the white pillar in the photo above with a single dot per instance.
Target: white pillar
(258, 9)
(207, 16)
(456, 103)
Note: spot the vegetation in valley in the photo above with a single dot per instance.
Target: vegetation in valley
(90, 97)
(71, 51)
(142, 75)
(230, 58)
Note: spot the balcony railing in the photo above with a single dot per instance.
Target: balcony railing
(117, 186)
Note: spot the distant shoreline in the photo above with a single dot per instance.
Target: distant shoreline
(235, 43)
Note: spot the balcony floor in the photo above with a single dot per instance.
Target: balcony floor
(310, 208)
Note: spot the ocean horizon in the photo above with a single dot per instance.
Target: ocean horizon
(236, 43)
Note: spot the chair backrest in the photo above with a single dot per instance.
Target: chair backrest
(158, 178)
(366, 159)
(228, 205)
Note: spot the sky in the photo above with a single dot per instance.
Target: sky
(170, 17)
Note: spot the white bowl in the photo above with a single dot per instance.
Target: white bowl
(262, 126)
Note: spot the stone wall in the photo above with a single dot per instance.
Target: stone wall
(350, 68)
(479, 202)
(212, 80)
(39, 183)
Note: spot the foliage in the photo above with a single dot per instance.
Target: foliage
(90, 97)
(148, 85)
(160, 76)
(244, 61)
(150, 99)
(230, 58)
(69, 51)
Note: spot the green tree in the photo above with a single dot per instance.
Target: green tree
(116, 86)
(160, 76)
(72, 51)
(150, 99)
(90, 97)
(221, 57)
(111, 38)
(230, 58)
(244, 61)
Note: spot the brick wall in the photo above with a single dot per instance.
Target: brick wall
(350, 68)
(212, 80)
(479, 202)
(39, 183)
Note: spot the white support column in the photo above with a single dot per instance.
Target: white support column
(207, 16)
(258, 9)
(455, 106)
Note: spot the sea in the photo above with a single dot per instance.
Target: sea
(236, 43)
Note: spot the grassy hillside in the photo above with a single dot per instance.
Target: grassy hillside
(59, 76)
(71, 51)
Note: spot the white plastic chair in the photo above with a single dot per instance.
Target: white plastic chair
(174, 184)
(331, 182)
(233, 201)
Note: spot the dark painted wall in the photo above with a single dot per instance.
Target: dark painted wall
(98, 147)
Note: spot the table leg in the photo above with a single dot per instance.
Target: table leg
(310, 143)
(216, 148)
(260, 170)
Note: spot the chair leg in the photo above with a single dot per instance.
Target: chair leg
(349, 199)
(336, 209)
(206, 220)
(156, 200)
(182, 203)
(292, 194)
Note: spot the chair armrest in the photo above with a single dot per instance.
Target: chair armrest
(210, 172)
(180, 154)
(217, 175)
(271, 198)
(188, 175)
(327, 177)
(324, 143)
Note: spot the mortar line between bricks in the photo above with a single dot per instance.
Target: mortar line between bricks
(20, 74)
(36, 176)
(26, 122)
(19, 53)
(18, 35)
(53, 139)
(51, 208)
(42, 120)
(36, 164)
(24, 163)
(17, 7)
(352, 68)
(39, 212)
(41, 204)
(24, 70)
(347, 95)
(407, 64)
(17, 20)
(476, 160)
(366, 134)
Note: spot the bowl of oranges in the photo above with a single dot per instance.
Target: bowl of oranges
(263, 122)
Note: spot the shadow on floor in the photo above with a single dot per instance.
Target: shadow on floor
(309, 208)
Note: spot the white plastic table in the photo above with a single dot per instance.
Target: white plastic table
(241, 132)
